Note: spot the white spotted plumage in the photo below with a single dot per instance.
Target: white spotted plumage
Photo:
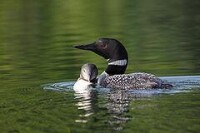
(132, 81)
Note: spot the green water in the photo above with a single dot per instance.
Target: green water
(36, 48)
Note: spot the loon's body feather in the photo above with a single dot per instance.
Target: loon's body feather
(132, 81)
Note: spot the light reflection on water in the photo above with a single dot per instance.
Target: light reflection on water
(84, 102)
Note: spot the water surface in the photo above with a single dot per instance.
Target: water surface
(36, 49)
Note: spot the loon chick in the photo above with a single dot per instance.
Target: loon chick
(113, 77)
(87, 77)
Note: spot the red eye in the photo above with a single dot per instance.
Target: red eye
(103, 45)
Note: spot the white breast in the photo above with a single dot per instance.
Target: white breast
(81, 85)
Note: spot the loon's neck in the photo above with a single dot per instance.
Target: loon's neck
(116, 66)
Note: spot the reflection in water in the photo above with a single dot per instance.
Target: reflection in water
(85, 100)
(118, 106)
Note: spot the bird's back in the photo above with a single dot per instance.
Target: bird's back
(134, 81)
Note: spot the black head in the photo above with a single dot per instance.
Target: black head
(108, 48)
(112, 50)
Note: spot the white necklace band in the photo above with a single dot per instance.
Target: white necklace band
(119, 62)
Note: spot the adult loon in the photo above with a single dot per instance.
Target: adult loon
(87, 77)
(113, 77)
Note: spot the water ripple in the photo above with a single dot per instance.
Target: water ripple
(180, 83)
